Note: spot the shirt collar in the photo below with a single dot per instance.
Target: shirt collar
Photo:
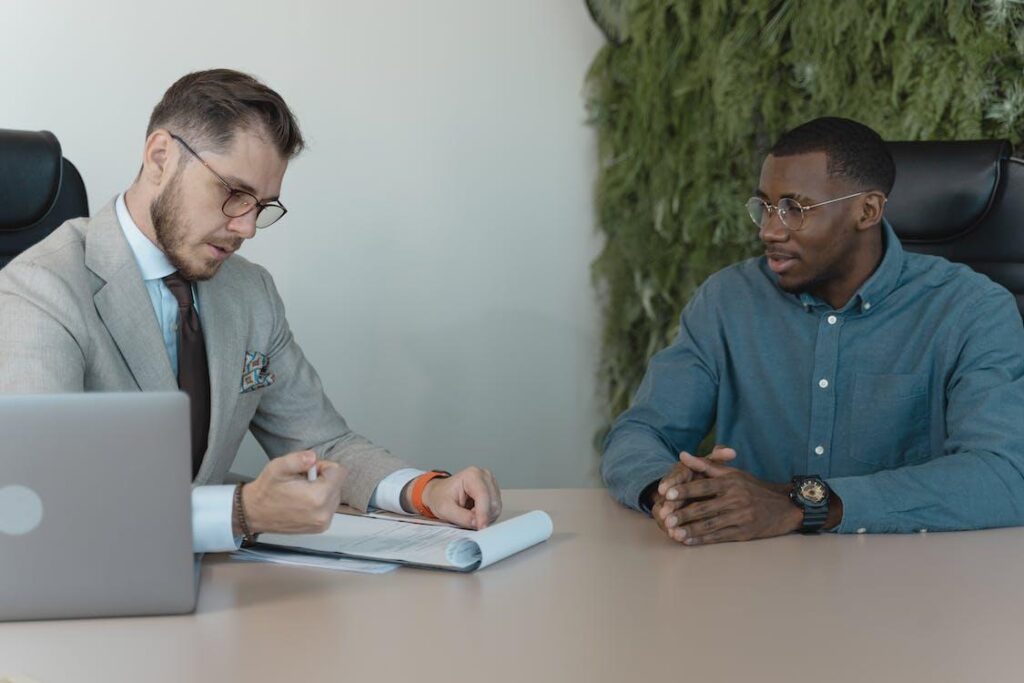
(881, 283)
(885, 278)
(152, 262)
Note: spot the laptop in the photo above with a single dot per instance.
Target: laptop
(95, 506)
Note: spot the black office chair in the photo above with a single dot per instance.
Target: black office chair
(39, 190)
(963, 201)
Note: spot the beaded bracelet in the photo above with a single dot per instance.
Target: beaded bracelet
(247, 536)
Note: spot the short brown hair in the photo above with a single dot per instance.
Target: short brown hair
(208, 108)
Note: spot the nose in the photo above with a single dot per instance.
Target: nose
(772, 230)
(244, 226)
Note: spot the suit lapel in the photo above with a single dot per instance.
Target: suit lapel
(223, 316)
(124, 304)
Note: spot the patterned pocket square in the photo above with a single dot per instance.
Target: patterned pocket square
(256, 372)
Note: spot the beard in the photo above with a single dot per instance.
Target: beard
(830, 271)
(172, 230)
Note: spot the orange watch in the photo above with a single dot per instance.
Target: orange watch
(417, 491)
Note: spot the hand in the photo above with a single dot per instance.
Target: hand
(282, 500)
(666, 499)
(730, 505)
(469, 498)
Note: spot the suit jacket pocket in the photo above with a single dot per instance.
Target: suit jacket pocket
(889, 420)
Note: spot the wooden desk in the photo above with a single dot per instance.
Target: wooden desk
(606, 599)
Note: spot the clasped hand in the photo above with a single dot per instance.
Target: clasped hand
(702, 501)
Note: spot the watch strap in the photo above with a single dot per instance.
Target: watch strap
(418, 486)
(814, 519)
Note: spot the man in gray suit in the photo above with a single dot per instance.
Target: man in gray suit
(148, 295)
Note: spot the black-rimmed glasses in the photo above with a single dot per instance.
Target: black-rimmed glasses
(240, 202)
(790, 211)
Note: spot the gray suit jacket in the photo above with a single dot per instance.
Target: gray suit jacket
(76, 316)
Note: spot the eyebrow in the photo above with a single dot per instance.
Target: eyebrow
(759, 193)
(239, 184)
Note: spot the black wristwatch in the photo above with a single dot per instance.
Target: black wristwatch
(811, 494)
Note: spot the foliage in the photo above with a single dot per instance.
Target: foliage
(686, 107)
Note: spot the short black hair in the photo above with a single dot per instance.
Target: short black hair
(854, 151)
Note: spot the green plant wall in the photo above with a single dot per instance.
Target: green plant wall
(687, 105)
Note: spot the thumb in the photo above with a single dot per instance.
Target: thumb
(722, 454)
(332, 472)
(703, 466)
(293, 463)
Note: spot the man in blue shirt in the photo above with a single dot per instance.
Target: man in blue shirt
(856, 387)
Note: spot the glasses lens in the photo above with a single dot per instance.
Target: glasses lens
(239, 204)
(790, 213)
(757, 210)
(270, 214)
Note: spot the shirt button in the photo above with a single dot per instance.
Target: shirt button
(923, 531)
(867, 306)
(823, 383)
(862, 530)
(832, 320)
(819, 450)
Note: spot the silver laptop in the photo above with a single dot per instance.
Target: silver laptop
(95, 506)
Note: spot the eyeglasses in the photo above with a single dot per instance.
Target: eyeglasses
(240, 202)
(790, 211)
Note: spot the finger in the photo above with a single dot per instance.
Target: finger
(680, 474)
(726, 535)
(669, 512)
(704, 509)
(492, 486)
(450, 512)
(702, 488)
(706, 526)
(331, 473)
(659, 519)
(658, 512)
(293, 464)
(478, 491)
(704, 466)
(722, 454)
(677, 475)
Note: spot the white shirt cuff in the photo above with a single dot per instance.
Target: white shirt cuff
(211, 520)
(388, 494)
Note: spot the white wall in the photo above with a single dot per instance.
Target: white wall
(434, 260)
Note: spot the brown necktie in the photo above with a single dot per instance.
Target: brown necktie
(193, 372)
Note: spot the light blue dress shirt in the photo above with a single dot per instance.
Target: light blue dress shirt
(212, 505)
(909, 400)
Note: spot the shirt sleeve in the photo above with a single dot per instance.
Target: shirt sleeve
(388, 494)
(211, 520)
(978, 482)
(672, 411)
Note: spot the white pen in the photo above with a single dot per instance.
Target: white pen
(311, 474)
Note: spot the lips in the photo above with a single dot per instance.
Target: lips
(221, 252)
(780, 262)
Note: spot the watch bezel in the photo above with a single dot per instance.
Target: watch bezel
(797, 496)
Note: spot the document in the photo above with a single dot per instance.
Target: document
(295, 559)
(443, 547)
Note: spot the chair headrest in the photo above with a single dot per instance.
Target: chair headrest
(30, 169)
(943, 189)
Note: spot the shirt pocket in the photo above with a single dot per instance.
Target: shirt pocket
(889, 420)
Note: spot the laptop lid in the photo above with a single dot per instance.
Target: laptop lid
(95, 505)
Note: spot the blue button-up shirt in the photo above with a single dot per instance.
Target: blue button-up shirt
(909, 400)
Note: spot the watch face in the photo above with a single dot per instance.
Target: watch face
(812, 491)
